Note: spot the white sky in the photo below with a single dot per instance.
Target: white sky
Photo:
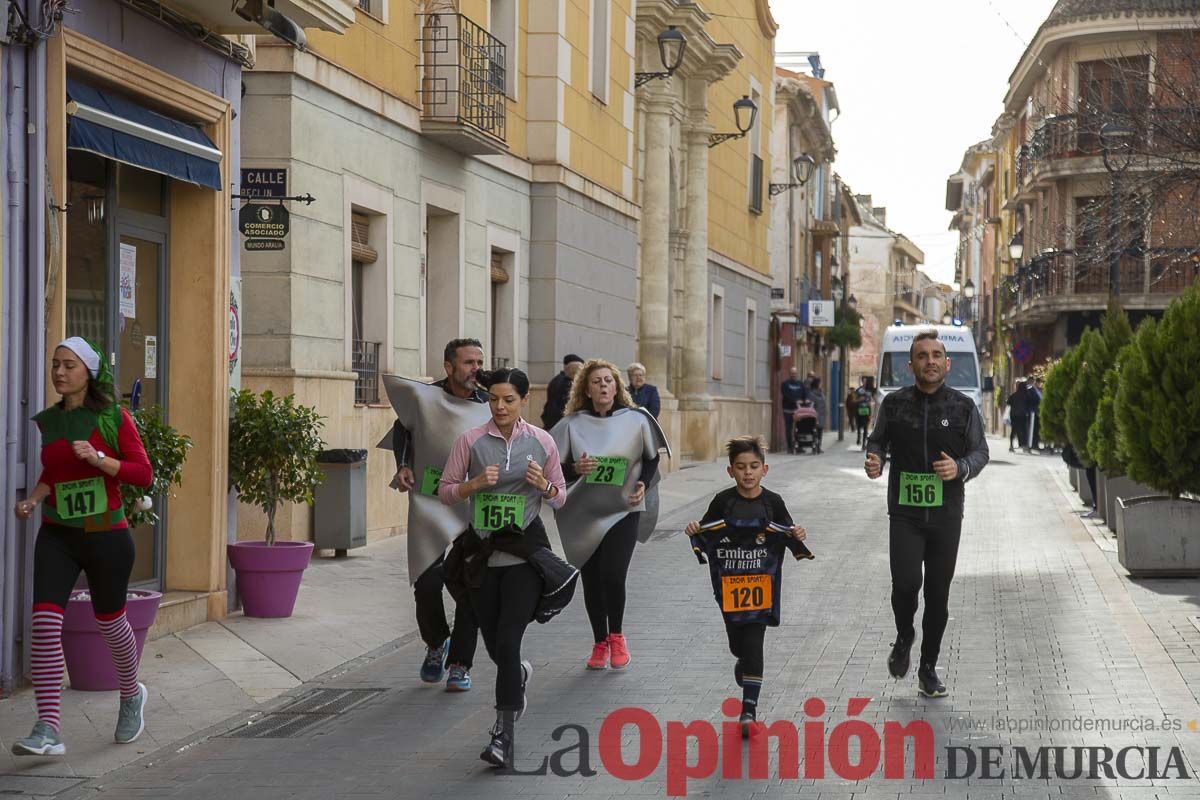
(918, 83)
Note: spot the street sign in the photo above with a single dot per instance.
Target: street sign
(258, 245)
(266, 182)
(820, 314)
(262, 221)
(1022, 352)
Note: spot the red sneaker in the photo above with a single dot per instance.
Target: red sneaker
(599, 659)
(620, 653)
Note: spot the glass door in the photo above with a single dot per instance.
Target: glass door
(140, 352)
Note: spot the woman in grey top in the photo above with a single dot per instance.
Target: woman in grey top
(505, 469)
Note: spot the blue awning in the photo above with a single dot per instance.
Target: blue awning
(115, 127)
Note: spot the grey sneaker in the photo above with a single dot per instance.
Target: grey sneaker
(526, 674)
(132, 719)
(43, 741)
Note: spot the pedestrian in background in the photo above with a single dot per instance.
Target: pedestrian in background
(792, 391)
(817, 398)
(1018, 414)
(558, 391)
(863, 412)
(644, 395)
(1035, 423)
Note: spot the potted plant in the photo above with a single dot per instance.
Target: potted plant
(273, 449)
(1104, 444)
(1098, 351)
(1157, 428)
(1059, 380)
(88, 661)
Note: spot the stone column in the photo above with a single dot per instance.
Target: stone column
(656, 212)
(696, 405)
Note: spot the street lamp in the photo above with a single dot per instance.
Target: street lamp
(968, 290)
(1016, 248)
(1116, 144)
(745, 114)
(947, 318)
(802, 169)
(671, 46)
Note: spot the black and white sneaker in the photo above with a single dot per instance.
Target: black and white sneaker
(899, 660)
(526, 674)
(498, 753)
(928, 682)
(747, 721)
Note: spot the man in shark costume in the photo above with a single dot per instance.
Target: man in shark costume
(429, 417)
(598, 522)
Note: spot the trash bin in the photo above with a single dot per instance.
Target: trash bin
(340, 502)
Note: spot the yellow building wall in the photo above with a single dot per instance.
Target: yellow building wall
(600, 139)
(387, 56)
(733, 230)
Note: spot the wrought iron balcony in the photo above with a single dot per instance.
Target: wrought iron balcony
(463, 83)
(1066, 281)
(365, 358)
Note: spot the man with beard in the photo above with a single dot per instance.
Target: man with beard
(463, 359)
(934, 435)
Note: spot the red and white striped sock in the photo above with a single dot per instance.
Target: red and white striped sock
(119, 636)
(46, 661)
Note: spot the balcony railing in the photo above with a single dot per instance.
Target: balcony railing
(1161, 271)
(463, 84)
(365, 357)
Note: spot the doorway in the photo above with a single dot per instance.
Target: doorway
(117, 296)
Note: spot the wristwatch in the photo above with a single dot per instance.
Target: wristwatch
(99, 458)
(550, 487)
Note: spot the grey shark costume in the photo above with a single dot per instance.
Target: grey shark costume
(434, 418)
(592, 509)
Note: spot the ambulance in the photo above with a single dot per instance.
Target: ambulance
(893, 372)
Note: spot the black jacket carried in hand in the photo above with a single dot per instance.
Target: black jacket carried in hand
(466, 565)
(913, 429)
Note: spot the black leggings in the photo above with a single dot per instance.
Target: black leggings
(746, 644)
(431, 617)
(61, 553)
(604, 578)
(914, 544)
(504, 607)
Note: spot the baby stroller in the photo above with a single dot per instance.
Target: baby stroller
(806, 427)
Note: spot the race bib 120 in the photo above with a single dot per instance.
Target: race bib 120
(745, 593)
(920, 489)
(494, 511)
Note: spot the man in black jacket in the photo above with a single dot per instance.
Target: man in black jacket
(558, 391)
(935, 438)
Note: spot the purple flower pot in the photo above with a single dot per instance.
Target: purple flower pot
(268, 576)
(89, 664)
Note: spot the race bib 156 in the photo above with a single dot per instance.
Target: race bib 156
(920, 489)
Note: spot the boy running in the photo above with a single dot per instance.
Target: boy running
(743, 535)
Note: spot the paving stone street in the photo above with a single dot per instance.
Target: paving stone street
(1045, 626)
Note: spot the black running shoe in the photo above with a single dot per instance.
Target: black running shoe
(498, 753)
(928, 682)
(737, 672)
(747, 720)
(898, 660)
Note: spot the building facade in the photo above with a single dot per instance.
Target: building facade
(132, 152)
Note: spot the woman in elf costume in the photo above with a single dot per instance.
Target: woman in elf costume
(90, 446)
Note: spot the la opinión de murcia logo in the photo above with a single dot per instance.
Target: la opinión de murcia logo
(853, 750)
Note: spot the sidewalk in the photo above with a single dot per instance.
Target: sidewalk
(347, 608)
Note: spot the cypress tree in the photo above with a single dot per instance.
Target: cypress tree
(1059, 380)
(1158, 400)
(1100, 350)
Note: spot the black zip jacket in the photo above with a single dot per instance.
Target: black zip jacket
(913, 428)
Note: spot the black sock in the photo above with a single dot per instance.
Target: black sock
(751, 686)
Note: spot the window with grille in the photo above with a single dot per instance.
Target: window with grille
(365, 347)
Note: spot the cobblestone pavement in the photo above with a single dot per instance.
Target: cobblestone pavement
(1045, 630)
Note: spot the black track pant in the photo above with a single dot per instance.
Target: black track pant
(789, 429)
(431, 618)
(61, 553)
(504, 607)
(604, 578)
(746, 644)
(915, 545)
